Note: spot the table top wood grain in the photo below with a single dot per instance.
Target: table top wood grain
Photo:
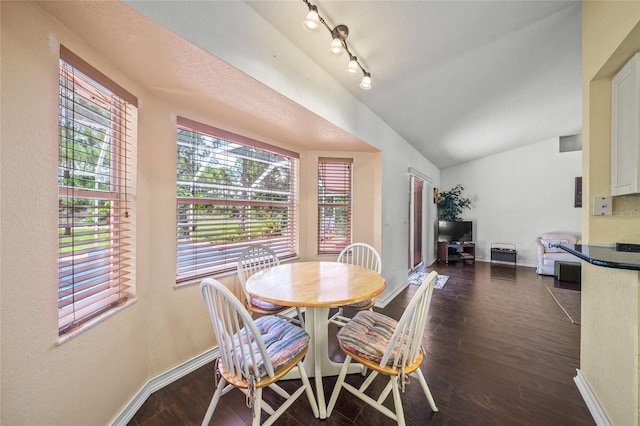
(315, 284)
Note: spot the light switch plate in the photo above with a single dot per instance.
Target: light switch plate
(602, 206)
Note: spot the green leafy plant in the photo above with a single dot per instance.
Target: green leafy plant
(451, 204)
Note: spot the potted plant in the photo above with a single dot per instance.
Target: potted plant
(451, 204)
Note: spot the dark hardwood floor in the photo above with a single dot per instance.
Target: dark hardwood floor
(500, 351)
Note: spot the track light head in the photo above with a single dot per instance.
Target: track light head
(365, 84)
(352, 67)
(312, 21)
(336, 47)
(339, 34)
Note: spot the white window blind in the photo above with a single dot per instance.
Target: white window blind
(97, 119)
(334, 204)
(232, 191)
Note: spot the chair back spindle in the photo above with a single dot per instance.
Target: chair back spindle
(252, 260)
(237, 335)
(406, 340)
(361, 254)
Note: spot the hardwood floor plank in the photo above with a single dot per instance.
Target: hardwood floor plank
(499, 351)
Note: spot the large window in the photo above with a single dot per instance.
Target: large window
(232, 191)
(334, 204)
(97, 121)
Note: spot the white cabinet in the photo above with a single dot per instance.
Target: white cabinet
(625, 129)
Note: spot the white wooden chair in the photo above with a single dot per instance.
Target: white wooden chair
(254, 354)
(387, 347)
(253, 259)
(360, 254)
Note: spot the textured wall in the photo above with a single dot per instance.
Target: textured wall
(610, 313)
(88, 379)
(519, 194)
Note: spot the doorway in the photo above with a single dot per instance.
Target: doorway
(416, 220)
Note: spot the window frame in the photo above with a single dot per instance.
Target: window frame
(336, 173)
(95, 224)
(213, 219)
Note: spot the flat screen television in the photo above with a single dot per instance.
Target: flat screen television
(455, 231)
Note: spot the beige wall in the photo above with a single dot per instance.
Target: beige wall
(609, 331)
(88, 379)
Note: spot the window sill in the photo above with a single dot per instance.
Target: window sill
(224, 274)
(199, 280)
(87, 325)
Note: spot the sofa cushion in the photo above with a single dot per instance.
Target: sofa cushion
(553, 246)
(571, 238)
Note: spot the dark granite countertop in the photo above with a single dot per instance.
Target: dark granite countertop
(604, 255)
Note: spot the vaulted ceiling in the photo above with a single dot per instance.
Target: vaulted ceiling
(459, 80)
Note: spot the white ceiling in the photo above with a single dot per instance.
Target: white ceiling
(459, 80)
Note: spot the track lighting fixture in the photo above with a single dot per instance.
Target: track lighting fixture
(338, 45)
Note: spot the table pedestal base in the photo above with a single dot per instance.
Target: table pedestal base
(317, 362)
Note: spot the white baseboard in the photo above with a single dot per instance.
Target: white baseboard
(598, 414)
(160, 381)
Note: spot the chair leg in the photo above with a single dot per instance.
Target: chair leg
(397, 402)
(368, 381)
(387, 389)
(338, 386)
(214, 401)
(309, 391)
(257, 407)
(300, 317)
(338, 318)
(425, 388)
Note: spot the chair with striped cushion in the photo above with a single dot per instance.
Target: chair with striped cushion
(388, 347)
(253, 259)
(360, 254)
(254, 354)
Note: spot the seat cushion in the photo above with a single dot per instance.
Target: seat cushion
(265, 306)
(359, 305)
(282, 339)
(367, 335)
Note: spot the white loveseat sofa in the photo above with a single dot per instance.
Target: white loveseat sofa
(549, 253)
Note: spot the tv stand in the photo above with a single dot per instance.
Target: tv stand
(451, 251)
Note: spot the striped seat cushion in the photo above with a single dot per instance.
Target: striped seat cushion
(282, 339)
(264, 305)
(367, 335)
(359, 305)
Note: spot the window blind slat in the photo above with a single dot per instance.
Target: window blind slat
(94, 179)
(88, 288)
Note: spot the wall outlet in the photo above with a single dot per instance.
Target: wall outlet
(602, 206)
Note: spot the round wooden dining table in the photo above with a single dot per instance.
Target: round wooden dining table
(317, 286)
